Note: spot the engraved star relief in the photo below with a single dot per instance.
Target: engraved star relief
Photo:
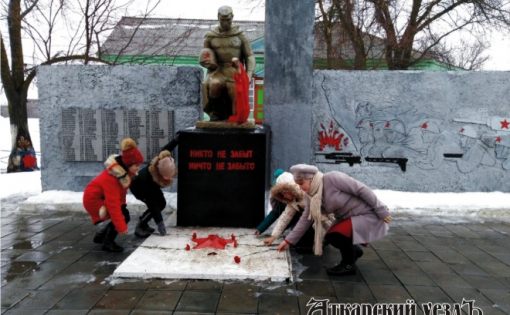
(505, 124)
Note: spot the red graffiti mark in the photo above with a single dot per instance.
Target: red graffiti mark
(505, 124)
(330, 137)
(211, 241)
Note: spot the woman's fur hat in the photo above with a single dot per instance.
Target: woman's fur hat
(163, 169)
(303, 171)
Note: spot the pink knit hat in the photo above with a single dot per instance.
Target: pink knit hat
(166, 168)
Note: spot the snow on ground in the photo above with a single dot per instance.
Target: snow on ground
(474, 205)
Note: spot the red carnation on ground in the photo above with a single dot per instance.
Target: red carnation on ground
(237, 259)
(188, 247)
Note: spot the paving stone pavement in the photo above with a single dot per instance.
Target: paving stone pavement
(49, 265)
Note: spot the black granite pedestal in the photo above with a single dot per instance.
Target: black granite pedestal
(223, 177)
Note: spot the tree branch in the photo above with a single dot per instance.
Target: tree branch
(5, 71)
(28, 9)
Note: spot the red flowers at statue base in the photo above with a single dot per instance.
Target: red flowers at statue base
(237, 259)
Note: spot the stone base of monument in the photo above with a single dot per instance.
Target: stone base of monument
(174, 256)
(224, 124)
(223, 175)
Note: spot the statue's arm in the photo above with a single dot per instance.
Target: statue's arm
(207, 41)
(248, 55)
(250, 66)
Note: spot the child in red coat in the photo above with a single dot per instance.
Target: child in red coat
(105, 196)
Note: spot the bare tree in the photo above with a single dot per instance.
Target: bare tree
(352, 15)
(347, 28)
(326, 19)
(464, 55)
(40, 20)
(15, 81)
(405, 22)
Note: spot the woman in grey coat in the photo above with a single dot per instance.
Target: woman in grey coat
(359, 216)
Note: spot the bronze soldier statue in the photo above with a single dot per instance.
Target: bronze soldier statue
(221, 45)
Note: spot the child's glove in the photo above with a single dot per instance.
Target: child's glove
(161, 228)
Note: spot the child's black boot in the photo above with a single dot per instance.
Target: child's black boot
(109, 244)
(350, 253)
(143, 229)
(99, 237)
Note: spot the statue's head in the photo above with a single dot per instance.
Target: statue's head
(225, 16)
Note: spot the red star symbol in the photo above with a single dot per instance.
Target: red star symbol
(387, 125)
(498, 139)
(425, 125)
(212, 241)
(505, 124)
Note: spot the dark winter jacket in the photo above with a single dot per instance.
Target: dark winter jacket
(148, 178)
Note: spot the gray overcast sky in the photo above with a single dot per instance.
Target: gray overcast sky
(247, 10)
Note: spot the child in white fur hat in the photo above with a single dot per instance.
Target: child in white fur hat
(147, 188)
(287, 200)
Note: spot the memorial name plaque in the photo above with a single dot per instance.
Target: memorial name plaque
(222, 177)
(94, 134)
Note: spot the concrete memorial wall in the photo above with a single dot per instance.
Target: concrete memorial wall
(410, 131)
(85, 111)
(414, 131)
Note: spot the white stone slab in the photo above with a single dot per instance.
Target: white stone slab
(166, 257)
